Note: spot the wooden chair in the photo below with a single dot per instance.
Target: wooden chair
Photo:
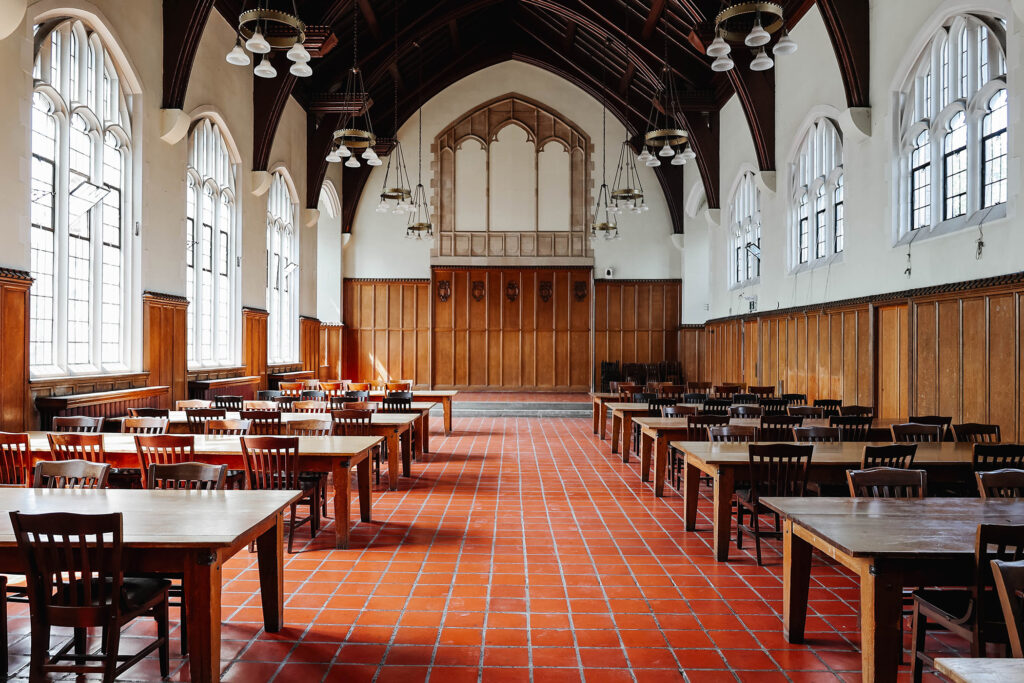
(725, 390)
(994, 456)
(332, 388)
(778, 427)
(311, 384)
(1005, 483)
(934, 420)
(698, 387)
(761, 392)
(290, 388)
(716, 406)
(356, 422)
(774, 406)
(75, 574)
(887, 482)
(312, 427)
(912, 432)
(678, 411)
(745, 399)
(262, 422)
(816, 434)
(163, 449)
(228, 402)
(192, 404)
(896, 456)
(359, 386)
(974, 432)
(357, 394)
(198, 417)
(189, 476)
(227, 427)
(361, 405)
(673, 391)
(807, 412)
(272, 464)
(831, 406)
(70, 474)
(77, 424)
(313, 395)
(1009, 581)
(627, 391)
(749, 412)
(260, 405)
(397, 402)
(76, 447)
(852, 427)
(776, 469)
(795, 399)
(403, 385)
(973, 614)
(267, 394)
(703, 422)
(285, 402)
(857, 411)
(310, 406)
(149, 412)
(695, 398)
(732, 434)
(144, 425)
(15, 460)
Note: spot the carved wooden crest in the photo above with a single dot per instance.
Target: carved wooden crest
(545, 291)
(512, 291)
(444, 290)
(478, 290)
(579, 289)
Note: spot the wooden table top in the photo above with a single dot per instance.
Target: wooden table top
(155, 518)
(915, 529)
(603, 394)
(309, 446)
(627, 406)
(845, 453)
(178, 417)
(423, 393)
(981, 669)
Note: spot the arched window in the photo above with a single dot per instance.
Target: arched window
(80, 205)
(745, 224)
(211, 247)
(952, 111)
(282, 273)
(817, 178)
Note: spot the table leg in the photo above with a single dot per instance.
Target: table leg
(723, 491)
(423, 428)
(691, 485)
(796, 579)
(881, 608)
(597, 413)
(626, 432)
(616, 426)
(407, 452)
(201, 583)
(365, 493)
(394, 451)
(646, 443)
(342, 503)
(603, 421)
(446, 403)
(270, 556)
(660, 465)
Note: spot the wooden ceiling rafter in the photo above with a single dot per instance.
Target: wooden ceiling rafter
(756, 93)
(848, 23)
(183, 25)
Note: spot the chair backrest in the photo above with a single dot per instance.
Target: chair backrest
(262, 421)
(15, 459)
(332, 387)
(761, 391)
(310, 406)
(74, 566)
(704, 421)
(725, 390)
(321, 426)
(313, 395)
(361, 405)
(228, 402)
(773, 406)
(357, 394)
(778, 469)
(311, 384)
(190, 476)
(290, 388)
(198, 417)
(349, 422)
(912, 432)
(644, 397)
(77, 424)
(260, 405)
(192, 403)
(745, 411)
(816, 434)
(698, 387)
(626, 392)
(795, 399)
(678, 411)
(745, 399)
(1004, 542)
(857, 411)
(271, 462)
(76, 447)
(716, 406)
(657, 404)
(267, 394)
(144, 425)
(70, 474)
(830, 406)
(995, 456)
(694, 398)
(732, 434)
(397, 402)
(227, 427)
(897, 455)
(675, 391)
(1009, 581)
(941, 421)
(975, 432)
(1006, 483)
(813, 412)
(778, 427)
(851, 427)
(149, 412)
(163, 449)
(887, 482)
(359, 386)
(403, 385)
(286, 401)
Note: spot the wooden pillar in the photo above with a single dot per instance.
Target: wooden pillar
(16, 412)
(165, 343)
(254, 343)
(331, 350)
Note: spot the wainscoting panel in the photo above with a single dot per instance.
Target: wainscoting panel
(637, 321)
(164, 334)
(254, 344)
(386, 332)
(17, 412)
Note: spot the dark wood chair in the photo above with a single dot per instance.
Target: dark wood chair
(746, 411)
(745, 399)
(698, 387)
(1005, 483)
(262, 422)
(15, 459)
(974, 432)
(795, 399)
(914, 432)
(716, 406)
(1009, 581)
(831, 406)
(272, 463)
(627, 391)
(934, 420)
(189, 476)
(267, 394)
(774, 406)
(973, 614)
(851, 427)
(996, 456)
(887, 482)
(695, 398)
(897, 456)
(227, 427)
(678, 411)
(702, 422)
(75, 576)
(149, 412)
(198, 417)
(313, 395)
(144, 425)
(77, 424)
(857, 411)
(70, 474)
(778, 427)
(350, 422)
(732, 434)
(761, 392)
(163, 449)
(807, 412)
(776, 469)
(727, 390)
(311, 427)
(397, 402)
(816, 434)
(364, 394)
(76, 446)
(673, 391)
(226, 402)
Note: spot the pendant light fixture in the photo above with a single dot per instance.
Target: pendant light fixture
(604, 224)
(419, 225)
(357, 139)
(271, 25)
(663, 131)
(752, 24)
(395, 192)
(627, 191)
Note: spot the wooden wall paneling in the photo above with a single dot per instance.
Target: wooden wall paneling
(893, 349)
(925, 392)
(578, 301)
(751, 352)
(691, 354)
(332, 351)
(865, 365)
(309, 343)
(948, 382)
(386, 331)
(443, 331)
(634, 321)
(254, 343)
(17, 411)
(974, 319)
(165, 343)
(1002, 365)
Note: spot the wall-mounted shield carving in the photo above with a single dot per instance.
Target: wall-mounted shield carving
(579, 289)
(478, 290)
(512, 291)
(545, 291)
(444, 290)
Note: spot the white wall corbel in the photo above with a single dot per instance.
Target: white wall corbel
(346, 237)
(856, 120)
(174, 125)
(310, 217)
(261, 181)
(766, 180)
(678, 239)
(713, 216)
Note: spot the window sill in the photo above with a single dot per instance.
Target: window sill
(65, 378)
(984, 217)
(822, 262)
(746, 283)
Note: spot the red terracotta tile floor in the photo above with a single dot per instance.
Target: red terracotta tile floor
(522, 550)
(523, 396)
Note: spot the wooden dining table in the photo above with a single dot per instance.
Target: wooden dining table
(442, 396)
(888, 544)
(981, 669)
(599, 400)
(727, 463)
(191, 533)
(337, 455)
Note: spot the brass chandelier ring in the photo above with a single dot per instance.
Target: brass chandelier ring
(249, 20)
(768, 10)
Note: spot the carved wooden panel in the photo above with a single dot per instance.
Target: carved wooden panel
(309, 344)
(387, 330)
(16, 409)
(254, 344)
(636, 321)
(164, 334)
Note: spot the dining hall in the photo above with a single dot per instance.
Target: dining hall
(512, 340)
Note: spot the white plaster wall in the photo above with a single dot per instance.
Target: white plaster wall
(378, 248)
(328, 263)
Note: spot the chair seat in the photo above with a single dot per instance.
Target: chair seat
(957, 607)
(136, 591)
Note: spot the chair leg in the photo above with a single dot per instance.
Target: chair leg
(113, 646)
(40, 635)
(81, 644)
(291, 528)
(3, 616)
(757, 535)
(184, 625)
(920, 630)
(163, 633)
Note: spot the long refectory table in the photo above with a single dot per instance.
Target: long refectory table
(443, 396)
(888, 544)
(600, 400)
(192, 533)
(335, 454)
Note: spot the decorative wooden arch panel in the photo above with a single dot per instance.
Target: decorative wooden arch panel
(542, 125)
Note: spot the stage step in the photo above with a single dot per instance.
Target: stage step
(569, 409)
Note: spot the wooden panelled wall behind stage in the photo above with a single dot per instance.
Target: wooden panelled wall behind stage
(635, 321)
(387, 330)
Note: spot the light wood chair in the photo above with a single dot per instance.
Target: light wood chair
(76, 447)
(163, 449)
(310, 406)
(290, 388)
(15, 459)
(77, 424)
(192, 403)
(311, 427)
(227, 427)
(144, 425)
(260, 405)
(189, 476)
(272, 464)
(149, 412)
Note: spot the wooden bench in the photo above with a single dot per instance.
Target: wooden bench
(207, 389)
(275, 378)
(100, 403)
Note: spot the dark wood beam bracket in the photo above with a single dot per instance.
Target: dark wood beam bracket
(183, 22)
(756, 92)
(849, 26)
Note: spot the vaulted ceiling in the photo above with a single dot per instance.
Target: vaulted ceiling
(612, 49)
